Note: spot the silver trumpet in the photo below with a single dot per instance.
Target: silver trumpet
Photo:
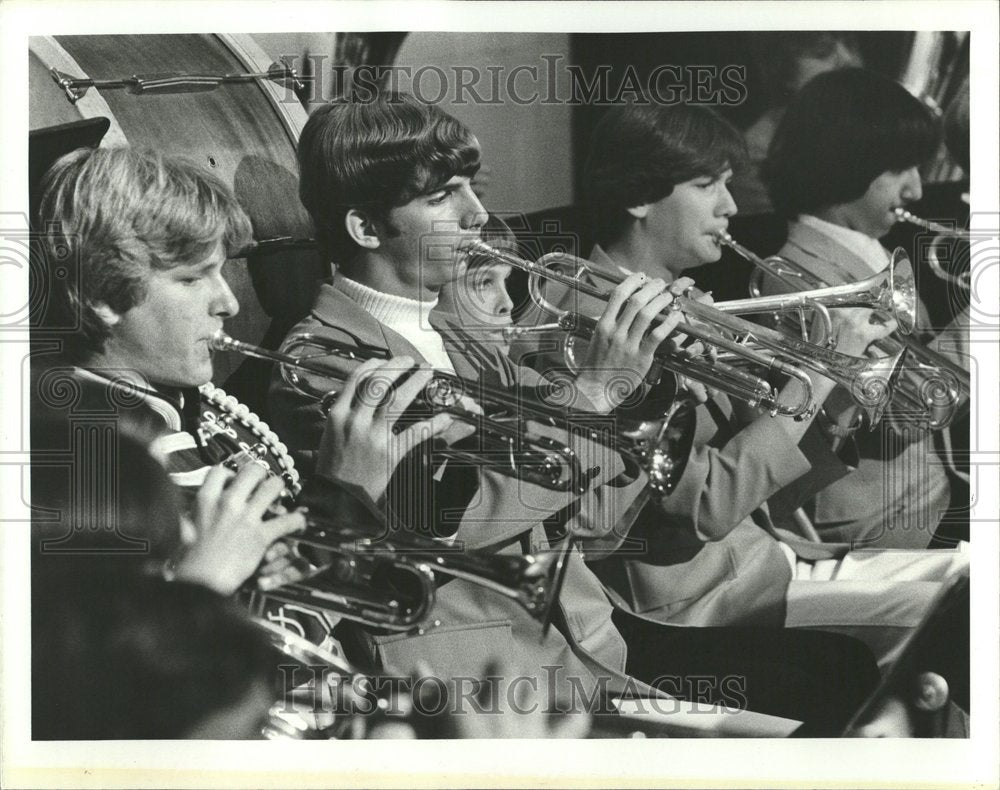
(891, 291)
(962, 280)
(313, 366)
(869, 381)
(717, 374)
(388, 580)
(929, 384)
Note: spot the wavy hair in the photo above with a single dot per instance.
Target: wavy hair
(116, 214)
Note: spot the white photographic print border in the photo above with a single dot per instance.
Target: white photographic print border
(517, 763)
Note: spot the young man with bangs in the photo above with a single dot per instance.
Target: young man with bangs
(844, 157)
(708, 554)
(150, 236)
(387, 185)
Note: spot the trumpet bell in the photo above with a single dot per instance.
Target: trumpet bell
(899, 291)
(663, 446)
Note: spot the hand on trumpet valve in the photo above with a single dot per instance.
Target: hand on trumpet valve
(857, 328)
(361, 444)
(626, 338)
(282, 564)
(689, 347)
(232, 526)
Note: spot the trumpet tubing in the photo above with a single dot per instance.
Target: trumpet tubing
(962, 280)
(869, 381)
(511, 448)
(385, 592)
(928, 384)
(524, 579)
(737, 383)
(892, 291)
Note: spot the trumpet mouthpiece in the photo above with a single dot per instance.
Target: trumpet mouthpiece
(221, 341)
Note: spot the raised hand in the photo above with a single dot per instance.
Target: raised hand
(233, 527)
(627, 335)
(359, 448)
(856, 328)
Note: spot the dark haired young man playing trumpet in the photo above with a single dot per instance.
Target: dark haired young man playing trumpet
(388, 186)
(708, 554)
(845, 157)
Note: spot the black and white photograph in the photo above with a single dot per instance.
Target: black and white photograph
(614, 380)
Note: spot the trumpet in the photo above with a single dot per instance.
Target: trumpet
(525, 579)
(962, 280)
(728, 378)
(929, 384)
(389, 581)
(869, 381)
(509, 446)
(387, 592)
(538, 459)
(891, 291)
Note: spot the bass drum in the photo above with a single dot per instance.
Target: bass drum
(246, 133)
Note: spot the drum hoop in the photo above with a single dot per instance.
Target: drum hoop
(91, 105)
(246, 50)
(242, 47)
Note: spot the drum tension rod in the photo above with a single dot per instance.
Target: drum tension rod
(76, 87)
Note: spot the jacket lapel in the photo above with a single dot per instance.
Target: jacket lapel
(473, 359)
(833, 262)
(336, 309)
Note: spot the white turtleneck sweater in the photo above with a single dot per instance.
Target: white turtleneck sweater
(408, 317)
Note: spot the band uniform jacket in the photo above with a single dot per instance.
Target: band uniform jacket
(707, 554)
(469, 626)
(899, 491)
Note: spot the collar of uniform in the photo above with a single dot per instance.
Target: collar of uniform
(335, 309)
(386, 308)
(604, 261)
(167, 402)
(864, 247)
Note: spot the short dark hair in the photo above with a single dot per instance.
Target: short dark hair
(839, 133)
(373, 155)
(138, 657)
(640, 151)
(119, 212)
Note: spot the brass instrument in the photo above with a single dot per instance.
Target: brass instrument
(363, 572)
(717, 374)
(537, 459)
(388, 580)
(509, 446)
(891, 291)
(869, 381)
(929, 384)
(963, 280)
(524, 579)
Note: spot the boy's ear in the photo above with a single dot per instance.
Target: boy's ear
(106, 314)
(639, 212)
(361, 229)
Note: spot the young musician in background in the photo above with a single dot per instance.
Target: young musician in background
(387, 184)
(708, 553)
(844, 157)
